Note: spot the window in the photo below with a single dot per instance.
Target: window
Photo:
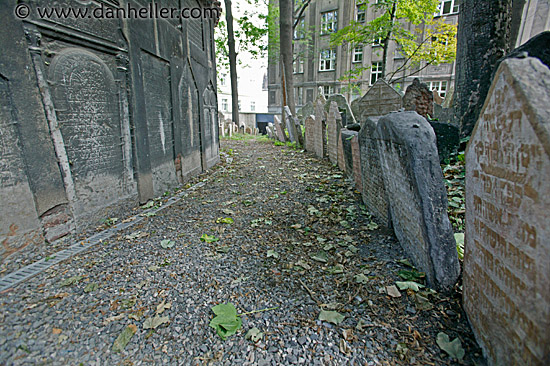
(361, 13)
(223, 78)
(377, 41)
(329, 22)
(300, 30)
(440, 86)
(252, 106)
(328, 90)
(358, 54)
(224, 105)
(298, 66)
(375, 72)
(239, 102)
(299, 95)
(327, 60)
(447, 7)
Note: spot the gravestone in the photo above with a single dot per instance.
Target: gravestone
(379, 100)
(417, 195)
(507, 249)
(290, 125)
(334, 125)
(319, 130)
(248, 130)
(341, 158)
(447, 139)
(373, 190)
(346, 137)
(343, 107)
(309, 124)
(356, 161)
(418, 97)
(306, 111)
(269, 129)
(280, 133)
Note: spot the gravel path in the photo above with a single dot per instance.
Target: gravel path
(325, 253)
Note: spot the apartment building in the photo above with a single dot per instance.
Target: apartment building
(318, 64)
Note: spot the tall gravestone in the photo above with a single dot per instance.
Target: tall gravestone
(507, 247)
(417, 195)
(379, 100)
(356, 161)
(334, 125)
(343, 107)
(280, 133)
(373, 190)
(319, 130)
(418, 97)
(346, 136)
(309, 125)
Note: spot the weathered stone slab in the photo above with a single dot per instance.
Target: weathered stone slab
(280, 133)
(343, 107)
(341, 158)
(447, 139)
(373, 190)
(290, 125)
(270, 132)
(334, 125)
(309, 124)
(319, 130)
(356, 161)
(507, 248)
(417, 195)
(379, 100)
(418, 97)
(346, 137)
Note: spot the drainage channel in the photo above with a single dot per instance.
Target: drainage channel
(23, 274)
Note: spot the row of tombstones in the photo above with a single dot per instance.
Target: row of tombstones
(394, 161)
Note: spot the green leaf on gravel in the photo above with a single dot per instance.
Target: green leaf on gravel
(412, 275)
(459, 238)
(148, 205)
(209, 238)
(321, 256)
(222, 249)
(227, 211)
(409, 285)
(333, 317)
(225, 220)
(336, 269)
(70, 281)
(90, 287)
(153, 268)
(254, 334)
(272, 253)
(372, 226)
(361, 278)
(454, 349)
(226, 322)
(163, 306)
(302, 264)
(406, 262)
(329, 247)
(422, 303)
(154, 322)
(167, 243)
(353, 249)
(124, 337)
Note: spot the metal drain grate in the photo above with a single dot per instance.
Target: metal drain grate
(23, 274)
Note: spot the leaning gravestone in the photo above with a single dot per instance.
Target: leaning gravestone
(279, 129)
(373, 190)
(418, 97)
(417, 195)
(346, 136)
(309, 124)
(356, 157)
(379, 100)
(343, 106)
(269, 128)
(334, 125)
(507, 248)
(319, 130)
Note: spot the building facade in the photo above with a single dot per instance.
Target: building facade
(318, 64)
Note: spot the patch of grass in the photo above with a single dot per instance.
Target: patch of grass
(246, 137)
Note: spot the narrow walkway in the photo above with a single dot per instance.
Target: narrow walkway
(280, 229)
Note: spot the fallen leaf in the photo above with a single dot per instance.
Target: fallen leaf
(393, 291)
(226, 322)
(154, 322)
(333, 317)
(349, 335)
(301, 263)
(361, 278)
(227, 211)
(163, 306)
(422, 303)
(124, 337)
(454, 349)
(113, 318)
(167, 243)
(321, 256)
(225, 220)
(254, 334)
(70, 281)
(409, 285)
(208, 238)
(56, 331)
(272, 253)
(336, 269)
(91, 287)
(344, 347)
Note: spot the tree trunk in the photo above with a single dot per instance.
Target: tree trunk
(386, 41)
(484, 36)
(286, 9)
(232, 63)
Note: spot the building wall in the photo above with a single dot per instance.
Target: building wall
(535, 19)
(311, 78)
(99, 114)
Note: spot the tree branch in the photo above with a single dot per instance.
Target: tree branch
(300, 13)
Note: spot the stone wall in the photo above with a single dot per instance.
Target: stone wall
(97, 115)
(507, 252)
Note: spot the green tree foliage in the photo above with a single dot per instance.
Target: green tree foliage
(433, 44)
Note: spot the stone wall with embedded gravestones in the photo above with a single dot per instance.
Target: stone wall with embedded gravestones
(98, 115)
(507, 251)
(417, 196)
(373, 190)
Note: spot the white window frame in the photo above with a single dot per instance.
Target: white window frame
(300, 30)
(453, 8)
(225, 105)
(327, 60)
(357, 54)
(329, 22)
(361, 14)
(252, 106)
(440, 86)
(298, 66)
(328, 90)
(375, 72)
